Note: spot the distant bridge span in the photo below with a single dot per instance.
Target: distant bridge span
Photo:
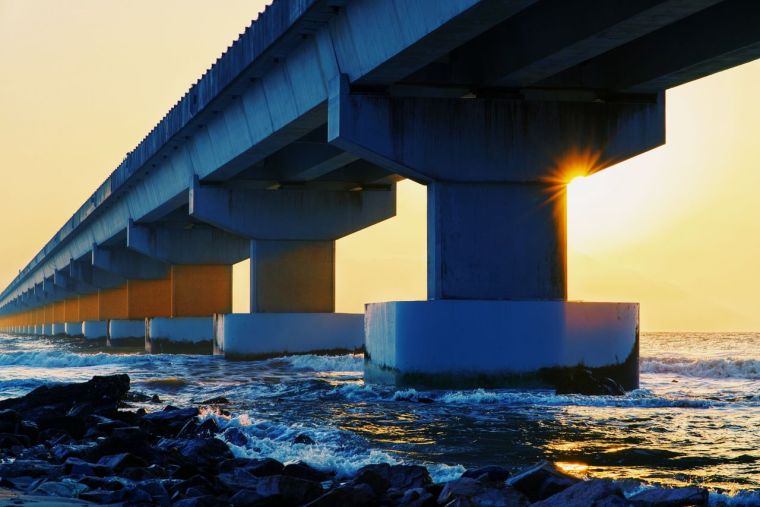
(296, 137)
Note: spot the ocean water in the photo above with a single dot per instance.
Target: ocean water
(695, 420)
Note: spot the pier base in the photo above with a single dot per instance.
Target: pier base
(59, 329)
(126, 333)
(182, 335)
(95, 329)
(469, 343)
(47, 330)
(262, 335)
(73, 329)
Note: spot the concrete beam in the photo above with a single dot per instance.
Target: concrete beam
(489, 140)
(198, 244)
(128, 264)
(84, 273)
(291, 214)
(522, 51)
(717, 38)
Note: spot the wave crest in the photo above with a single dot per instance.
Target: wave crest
(58, 359)
(707, 368)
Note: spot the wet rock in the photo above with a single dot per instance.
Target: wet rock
(219, 400)
(583, 494)
(383, 476)
(31, 468)
(285, 490)
(246, 498)
(477, 493)
(492, 473)
(106, 483)
(584, 381)
(136, 397)
(418, 497)
(542, 481)
(118, 462)
(264, 467)
(676, 497)
(304, 471)
(103, 496)
(303, 439)
(238, 479)
(235, 436)
(56, 399)
(71, 425)
(155, 488)
(199, 501)
(193, 429)
(79, 467)
(10, 440)
(169, 421)
(65, 489)
(9, 420)
(350, 495)
(201, 451)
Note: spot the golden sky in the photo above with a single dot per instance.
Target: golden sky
(676, 229)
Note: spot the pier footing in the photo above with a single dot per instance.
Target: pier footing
(73, 329)
(478, 343)
(182, 335)
(58, 329)
(126, 333)
(95, 329)
(261, 335)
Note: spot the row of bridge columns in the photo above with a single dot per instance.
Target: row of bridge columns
(496, 172)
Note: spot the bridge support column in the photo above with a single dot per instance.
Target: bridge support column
(293, 233)
(496, 169)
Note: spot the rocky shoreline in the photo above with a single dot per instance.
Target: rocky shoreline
(79, 443)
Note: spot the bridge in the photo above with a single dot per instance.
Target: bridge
(296, 137)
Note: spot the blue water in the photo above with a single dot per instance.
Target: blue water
(696, 418)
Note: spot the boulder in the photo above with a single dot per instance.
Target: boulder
(418, 497)
(381, 477)
(304, 471)
(491, 473)
(168, 422)
(54, 400)
(285, 490)
(201, 451)
(118, 462)
(541, 481)
(235, 436)
(675, 497)
(476, 492)
(349, 495)
(584, 494)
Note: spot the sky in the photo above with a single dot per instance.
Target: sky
(676, 229)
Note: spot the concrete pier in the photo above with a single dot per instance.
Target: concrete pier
(181, 335)
(73, 329)
(58, 329)
(123, 333)
(95, 329)
(263, 335)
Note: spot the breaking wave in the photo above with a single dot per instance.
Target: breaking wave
(706, 368)
(58, 359)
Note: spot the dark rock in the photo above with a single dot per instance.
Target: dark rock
(9, 420)
(583, 381)
(358, 495)
(304, 471)
(130, 439)
(61, 489)
(285, 490)
(30, 468)
(102, 496)
(264, 467)
(235, 436)
(219, 400)
(583, 494)
(71, 425)
(491, 473)
(136, 397)
(418, 497)
(201, 451)
(118, 462)
(383, 476)
(478, 493)
(238, 479)
(56, 399)
(156, 490)
(192, 429)
(198, 501)
(676, 497)
(79, 467)
(246, 498)
(541, 481)
(169, 421)
(10, 440)
(101, 483)
(303, 439)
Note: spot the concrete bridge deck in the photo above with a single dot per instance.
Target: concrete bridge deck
(296, 137)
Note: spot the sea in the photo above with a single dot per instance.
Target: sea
(694, 420)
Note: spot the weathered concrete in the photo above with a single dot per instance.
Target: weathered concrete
(454, 342)
(95, 329)
(261, 335)
(58, 329)
(182, 335)
(73, 329)
(122, 333)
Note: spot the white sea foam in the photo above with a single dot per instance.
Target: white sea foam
(344, 363)
(740, 499)
(707, 368)
(333, 450)
(58, 359)
(639, 398)
(355, 392)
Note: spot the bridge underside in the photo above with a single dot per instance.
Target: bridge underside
(297, 137)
